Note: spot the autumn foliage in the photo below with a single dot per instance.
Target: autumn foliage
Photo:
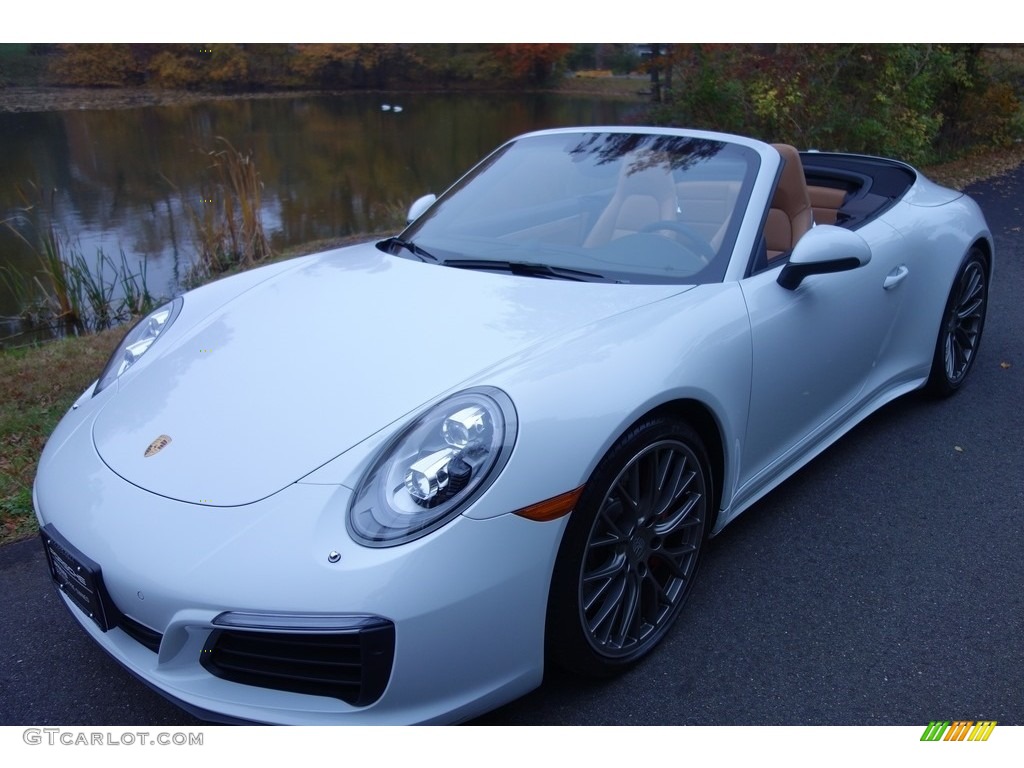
(97, 64)
(233, 66)
(916, 102)
(531, 63)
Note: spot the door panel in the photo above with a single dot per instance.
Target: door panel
(816, 350)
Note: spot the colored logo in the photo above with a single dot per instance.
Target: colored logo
(959, 730)
(157, 445)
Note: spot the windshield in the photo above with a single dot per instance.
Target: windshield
(622, 207)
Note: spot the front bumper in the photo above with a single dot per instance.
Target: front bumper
(466, 603)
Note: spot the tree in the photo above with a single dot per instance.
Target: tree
(531, 63)
(102, 64)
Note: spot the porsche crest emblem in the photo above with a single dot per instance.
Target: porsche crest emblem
(157, 445)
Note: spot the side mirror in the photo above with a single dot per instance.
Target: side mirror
(825, 248)
(416, 209)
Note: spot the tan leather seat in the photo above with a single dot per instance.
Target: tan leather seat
(826, 203)
(708, 207)
(642, 197)
(790, 215)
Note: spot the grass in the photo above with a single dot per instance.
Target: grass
(37, 386)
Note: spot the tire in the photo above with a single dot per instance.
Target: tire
(631, 550)
(963, 320)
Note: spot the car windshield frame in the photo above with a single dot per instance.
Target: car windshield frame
(624, 207)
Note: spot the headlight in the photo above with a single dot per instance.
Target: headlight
(137, 341)
(434, 468)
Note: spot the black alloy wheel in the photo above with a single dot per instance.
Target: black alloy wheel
(962, 323)
(631, 550)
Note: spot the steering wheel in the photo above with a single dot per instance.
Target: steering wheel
(692, 236)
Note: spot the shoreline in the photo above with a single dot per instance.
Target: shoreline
(55, 99)
(20, 99)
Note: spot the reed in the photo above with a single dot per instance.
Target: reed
(66, 295)
(228, 225)
(136, 299)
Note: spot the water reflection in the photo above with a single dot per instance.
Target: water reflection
(331, 166)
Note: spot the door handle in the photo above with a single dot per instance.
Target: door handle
(895, 277)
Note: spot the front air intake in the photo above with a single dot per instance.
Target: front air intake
(353, 666)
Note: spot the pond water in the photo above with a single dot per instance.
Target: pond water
(127, 180)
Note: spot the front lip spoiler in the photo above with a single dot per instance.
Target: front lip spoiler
(198, 712)
(295, 622)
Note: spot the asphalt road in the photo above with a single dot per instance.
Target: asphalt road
(884, 584)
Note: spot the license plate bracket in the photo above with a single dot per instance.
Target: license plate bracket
(78, 577)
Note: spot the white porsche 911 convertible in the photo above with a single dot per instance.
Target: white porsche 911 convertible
(391, 483)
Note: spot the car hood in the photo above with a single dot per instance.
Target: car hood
(285, 376)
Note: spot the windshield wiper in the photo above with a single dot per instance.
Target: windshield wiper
(525, 269)
(421, 253)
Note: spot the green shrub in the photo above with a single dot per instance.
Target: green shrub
(917, 102)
